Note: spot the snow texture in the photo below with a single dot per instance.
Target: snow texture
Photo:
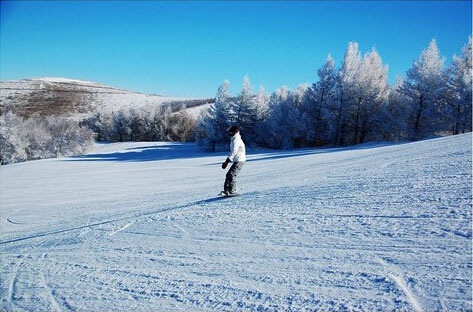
(139, 226)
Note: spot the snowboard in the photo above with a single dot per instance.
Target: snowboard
(222, 194)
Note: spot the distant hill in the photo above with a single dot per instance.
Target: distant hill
(78, 99)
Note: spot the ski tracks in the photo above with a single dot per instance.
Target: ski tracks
(13, 222)
(123, 227)
(58, 305)
(53, 300)
(13, 281)
(394, 273)
(185, 233)
(20, 268)
(130, 219)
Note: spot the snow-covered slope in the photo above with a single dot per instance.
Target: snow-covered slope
(137, 226)
(72, 98)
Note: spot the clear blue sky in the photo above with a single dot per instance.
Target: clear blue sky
(188, 48)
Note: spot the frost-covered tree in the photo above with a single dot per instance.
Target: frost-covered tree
(394, 114)
(262, 112)
(38, 137)
(214, 123)
(244, 103)
(245, 109)
(148, 123)
(348, 78)
(182, 126)
(121, 125)
(100, 123)
(288, 123)
(158, 122)
(13, 148)
(371, 90)
(424, 88)
(322, 102)
(303, 131)
(67, 137)
(459, 86)
(276, 136)
(262, 103)
(135, 123)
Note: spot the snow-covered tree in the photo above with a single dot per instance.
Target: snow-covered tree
(459, 85)
(157, 123)
(262, 112)
(322, 102)
(245, 109)
(394, 114)
(67, 137)
(424, 88)
(262, 103)
(371, 90)
(100, 123)
(13, 147)
(303, 130)
(276, 128)
(135, 123)
(348, 77)
(288, 123)
(148, 123)
(182, 126)
(121, 125)
(214, 123)
(38, 137)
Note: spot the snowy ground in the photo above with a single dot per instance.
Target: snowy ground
(18, 94)
(137, 227)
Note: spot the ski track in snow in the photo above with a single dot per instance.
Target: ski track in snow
(386, 228)
(13, 281)
(122, 228)
(54, 303)
(395, 274)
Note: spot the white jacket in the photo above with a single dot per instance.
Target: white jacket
(237, 149)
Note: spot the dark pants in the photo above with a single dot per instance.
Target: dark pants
(230, 180)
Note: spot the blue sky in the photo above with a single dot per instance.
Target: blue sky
(188, 48)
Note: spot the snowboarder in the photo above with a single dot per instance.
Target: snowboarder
(238, 157)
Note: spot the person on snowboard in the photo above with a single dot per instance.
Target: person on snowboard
(238, 157)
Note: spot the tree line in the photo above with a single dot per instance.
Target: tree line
(149, 123)
(349, 105)
(40, 137)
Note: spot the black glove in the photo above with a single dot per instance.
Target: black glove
(225, 164)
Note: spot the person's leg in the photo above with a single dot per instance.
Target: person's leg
(230, 181)
(227, 186)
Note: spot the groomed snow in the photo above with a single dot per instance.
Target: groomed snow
(138, 227)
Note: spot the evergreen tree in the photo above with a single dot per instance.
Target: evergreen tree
(371, 92)
(459, 84)
(262, 113)
(322, 102)
(424, 90)
(214, 123)
(279, 107)
(347, 86)
(245, 110)
(394, 114)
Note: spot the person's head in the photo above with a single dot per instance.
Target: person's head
(233, 130)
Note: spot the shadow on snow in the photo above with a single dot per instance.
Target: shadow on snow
(188, 150)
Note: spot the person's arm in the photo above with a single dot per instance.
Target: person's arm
(233, 152)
